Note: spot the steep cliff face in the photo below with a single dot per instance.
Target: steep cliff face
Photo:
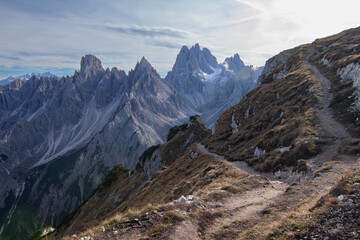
(206, 87)
(60, 138)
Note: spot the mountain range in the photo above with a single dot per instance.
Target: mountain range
(283, 163)
(25, 77)
(59, 138)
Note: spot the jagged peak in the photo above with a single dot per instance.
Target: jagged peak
(234, 63)
(184, 49)
(90, 65)
(143, 67)
(143, 64)
(196, 46)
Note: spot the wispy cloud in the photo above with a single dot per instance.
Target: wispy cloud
(255, 4)
(152, 32)
(164, 44)
(38, 35)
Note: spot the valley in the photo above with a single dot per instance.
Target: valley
(61, 137)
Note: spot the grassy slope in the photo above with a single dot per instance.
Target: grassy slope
(279, 113)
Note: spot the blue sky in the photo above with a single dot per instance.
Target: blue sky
(44, 35)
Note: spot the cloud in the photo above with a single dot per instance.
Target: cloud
(164, 44)
(152, 32)
(255, 4)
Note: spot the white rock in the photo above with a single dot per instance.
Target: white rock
(259, 152)
(283, 149)
(233, 124)
(180, 200)
(341, 197)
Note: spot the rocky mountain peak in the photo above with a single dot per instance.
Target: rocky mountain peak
(90, 66)
(143, 72)
(143, 67)
(143, 64)
(191, 63)
(210, 59)
(234, 63)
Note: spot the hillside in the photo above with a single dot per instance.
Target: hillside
(283, 163)
(59, 138)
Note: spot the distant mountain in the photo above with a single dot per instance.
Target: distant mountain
(60, 137)
(25, 77)
(206, 87)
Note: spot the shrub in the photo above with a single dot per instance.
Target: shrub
(114, 174)
(174, 130)
(148, 152)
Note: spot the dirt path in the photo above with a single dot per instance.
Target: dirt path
(261, 208)
(281, 196)
(246, 206)
(333, 130)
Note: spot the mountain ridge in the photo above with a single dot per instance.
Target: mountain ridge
(280, 164)
(76, 129)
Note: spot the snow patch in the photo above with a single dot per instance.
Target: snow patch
(278, 174)
(326, 62)
(213, 129)
(189, 139)
(213, 76)
(234, 125)
(247, 113)
(259, 152)
(188, 199)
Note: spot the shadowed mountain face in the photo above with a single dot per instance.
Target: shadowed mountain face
(59, 138)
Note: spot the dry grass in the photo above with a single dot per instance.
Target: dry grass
(349, 146)
(272, 116)
(340, 49)
(299, 224)
(198, 175)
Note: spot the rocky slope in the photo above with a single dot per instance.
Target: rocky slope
(60, 138)
(293, 170)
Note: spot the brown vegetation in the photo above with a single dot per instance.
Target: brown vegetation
(277, 114)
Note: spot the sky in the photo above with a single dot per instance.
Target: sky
(53, 35)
